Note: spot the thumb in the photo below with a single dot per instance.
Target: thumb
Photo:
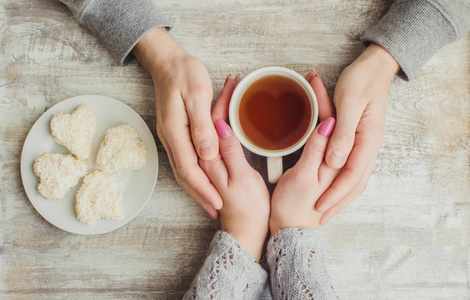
(202, 129)
(341, 142)
(230, 149)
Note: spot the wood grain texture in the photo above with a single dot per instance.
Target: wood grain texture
(406, 237)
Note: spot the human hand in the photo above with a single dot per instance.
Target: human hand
(245, 212)
(293, 200)
(360, 101)
(183, 96)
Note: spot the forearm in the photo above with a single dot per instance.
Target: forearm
(118, 24)
(413, 30)
(297, 265)
(229, 272)
(155, 50)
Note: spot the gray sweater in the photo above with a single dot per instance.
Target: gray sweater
(412, 30)
(296, 263)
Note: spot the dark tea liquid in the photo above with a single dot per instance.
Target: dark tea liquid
(275, 112)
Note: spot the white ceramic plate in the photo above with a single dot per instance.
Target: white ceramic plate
(136, 186)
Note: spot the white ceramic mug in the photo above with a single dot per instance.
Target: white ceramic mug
(274, 157)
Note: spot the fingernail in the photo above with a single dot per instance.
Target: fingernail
(336, 159)
(326, 128)
(323, 208)
(206, 150)
(237, 78)
(318, 75)
(223, 130)
(228, 77)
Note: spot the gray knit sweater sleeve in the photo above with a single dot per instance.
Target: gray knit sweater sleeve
(229, 272)
(118, 24)
(413, 30)
(296, 258)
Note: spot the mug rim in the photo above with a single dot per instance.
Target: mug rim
(240, 91)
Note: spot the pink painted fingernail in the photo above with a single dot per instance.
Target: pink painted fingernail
(326, 128)
(223, 130)
(228, 77)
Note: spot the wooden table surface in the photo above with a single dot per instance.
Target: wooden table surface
(406, 237)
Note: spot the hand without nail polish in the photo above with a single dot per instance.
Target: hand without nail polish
(336, 159)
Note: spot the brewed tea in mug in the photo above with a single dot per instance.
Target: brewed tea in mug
(275, 112)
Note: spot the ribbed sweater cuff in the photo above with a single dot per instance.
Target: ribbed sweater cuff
(412, 31)
(119, 25)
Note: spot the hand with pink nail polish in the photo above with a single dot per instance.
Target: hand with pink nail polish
(294, 198)
(183, 98)
(246, 199)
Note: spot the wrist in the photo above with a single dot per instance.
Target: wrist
(252, 241)
(156, 49)
(310, 220)
(381, 59)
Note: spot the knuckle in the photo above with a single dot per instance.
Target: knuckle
(182, 171)
(341, 99)
(200, 130)
(335, 189)
(200, 92)
(317, 147)
(355, 179)
(346, 138)
(178, 178)
(229, 148)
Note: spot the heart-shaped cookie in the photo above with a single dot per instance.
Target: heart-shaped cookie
(57, 174)
(75, 131)
(97, 197)
(121, 150)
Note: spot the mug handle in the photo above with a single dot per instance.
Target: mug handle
(274, 169)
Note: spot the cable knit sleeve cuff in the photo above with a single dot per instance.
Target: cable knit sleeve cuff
(287, 238)
(119, 25)
(412, 31)
(223, 242)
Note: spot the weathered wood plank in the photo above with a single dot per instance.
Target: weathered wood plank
(406, 237)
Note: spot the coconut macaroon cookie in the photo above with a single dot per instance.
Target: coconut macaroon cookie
(57, 174)
(75, 131)
(121, 150)
(98, 198)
